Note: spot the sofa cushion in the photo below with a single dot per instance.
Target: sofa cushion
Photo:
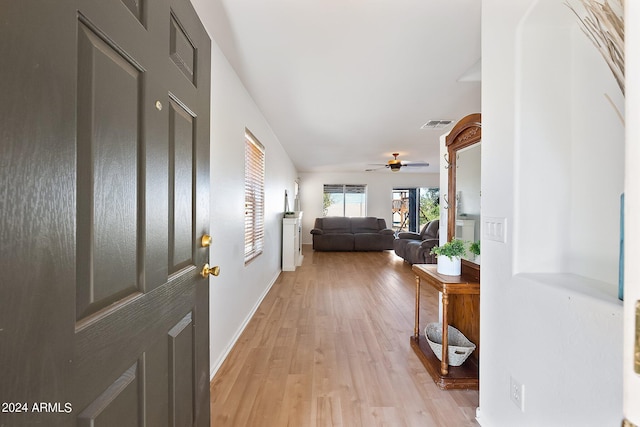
(336, 224)
(431, 230)
(333, 242)
(364, 225)
(415, 254)
(373, 242)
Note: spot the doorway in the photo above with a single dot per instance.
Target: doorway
(412, 208)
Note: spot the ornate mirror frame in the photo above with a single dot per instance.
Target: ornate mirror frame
(465, 133)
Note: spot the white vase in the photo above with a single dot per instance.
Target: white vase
(448, 266)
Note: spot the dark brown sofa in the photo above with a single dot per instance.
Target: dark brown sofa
(337, 233)
(415, 248)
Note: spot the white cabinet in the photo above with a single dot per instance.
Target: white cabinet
(465, 229)
(292, 242)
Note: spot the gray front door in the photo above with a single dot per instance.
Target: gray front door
(104, 169)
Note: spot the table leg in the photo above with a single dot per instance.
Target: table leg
(416, 329)
(444, 364)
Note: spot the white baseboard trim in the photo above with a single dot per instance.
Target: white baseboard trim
(240, 330)
(482, 419)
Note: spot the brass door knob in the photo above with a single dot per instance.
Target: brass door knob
(206, 271)
(206, 241)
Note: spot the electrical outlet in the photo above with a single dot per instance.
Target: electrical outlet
(516, 391)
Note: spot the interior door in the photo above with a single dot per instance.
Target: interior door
(104, 200)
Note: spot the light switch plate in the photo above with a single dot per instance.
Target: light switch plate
(495, 229)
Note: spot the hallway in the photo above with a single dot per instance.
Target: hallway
(329, 346)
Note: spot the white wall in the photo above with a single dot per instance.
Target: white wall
(379, 189)
(239, 289)
(632, 207)
(571, 140)
(552, 167)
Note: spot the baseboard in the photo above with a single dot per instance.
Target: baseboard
(482, 419)
(242, 327)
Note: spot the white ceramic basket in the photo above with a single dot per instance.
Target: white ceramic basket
(459, 346)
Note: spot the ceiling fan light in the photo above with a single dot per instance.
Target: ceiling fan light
(395, 167)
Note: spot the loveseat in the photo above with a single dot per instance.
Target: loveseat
(415, 248)
(337, 233)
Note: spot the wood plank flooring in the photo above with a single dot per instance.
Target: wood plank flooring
(329, 346)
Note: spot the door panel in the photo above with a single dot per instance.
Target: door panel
(137, 8)
(181, 364)
(109, 88)
(181, 50)
(181, 176)
(105, 155)
(119, 405)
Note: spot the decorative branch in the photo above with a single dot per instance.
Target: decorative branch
(604, 26)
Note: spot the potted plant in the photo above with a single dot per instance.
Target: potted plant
(449, 256)
(474, 248)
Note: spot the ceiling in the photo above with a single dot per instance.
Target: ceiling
(346, 83)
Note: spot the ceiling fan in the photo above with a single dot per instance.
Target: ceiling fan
(396, 164)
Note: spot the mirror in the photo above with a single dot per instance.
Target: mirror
(468, 196)
(463, 155)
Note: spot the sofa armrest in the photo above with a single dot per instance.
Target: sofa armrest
(387, 232)
(429, 243)
(316, 231)
(409, 235)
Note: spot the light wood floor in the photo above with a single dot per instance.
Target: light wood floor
(329, 346)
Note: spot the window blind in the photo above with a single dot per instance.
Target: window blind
(344, 188)
(355, 189)
(254, 164)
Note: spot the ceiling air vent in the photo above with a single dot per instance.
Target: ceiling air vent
(436, 124)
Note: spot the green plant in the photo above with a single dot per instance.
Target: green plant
(454, 248)
(429, 204)
(326, 202)
(474, 248)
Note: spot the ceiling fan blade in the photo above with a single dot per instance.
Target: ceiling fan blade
(376, 168)
(415, 164)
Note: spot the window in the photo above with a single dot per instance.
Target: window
(344, 200)
(253, 197)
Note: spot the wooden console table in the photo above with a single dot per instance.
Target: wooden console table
(460, 309)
